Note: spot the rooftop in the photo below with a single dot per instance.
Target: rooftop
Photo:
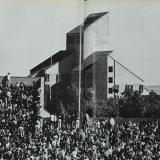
(50, 61)
(87, 22)
(155, 88)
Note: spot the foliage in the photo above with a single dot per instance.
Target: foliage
(130, 104)
(133, 104)
(69, 96)
(106, 108)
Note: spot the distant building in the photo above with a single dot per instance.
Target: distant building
(100, 71)
(154, 88)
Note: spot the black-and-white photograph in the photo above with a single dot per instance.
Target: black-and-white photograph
(79, 80)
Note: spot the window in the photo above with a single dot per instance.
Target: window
(110, 79)
(110, 90)
(110, 68)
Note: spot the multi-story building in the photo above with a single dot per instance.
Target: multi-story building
(89, 42)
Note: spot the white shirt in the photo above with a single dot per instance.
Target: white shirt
(8, 77)
(112, 121)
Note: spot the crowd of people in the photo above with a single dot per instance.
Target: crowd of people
(25, 136)
(103, 141)
(19, 112)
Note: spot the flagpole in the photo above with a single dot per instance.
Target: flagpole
(80, 66)
(80, 76)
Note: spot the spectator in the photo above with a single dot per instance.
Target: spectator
(8, 79)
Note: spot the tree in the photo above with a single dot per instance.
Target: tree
(130, 104)
(106, 108)
(69, 96)
(154, 104)
(133, 104)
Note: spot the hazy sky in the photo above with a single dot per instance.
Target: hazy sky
(31, 31)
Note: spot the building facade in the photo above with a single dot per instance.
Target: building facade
(99, 71)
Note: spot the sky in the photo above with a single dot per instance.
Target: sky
(31, 31)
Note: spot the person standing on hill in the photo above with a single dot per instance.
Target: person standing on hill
(8, 78)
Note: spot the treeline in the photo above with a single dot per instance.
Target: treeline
(131, 104)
